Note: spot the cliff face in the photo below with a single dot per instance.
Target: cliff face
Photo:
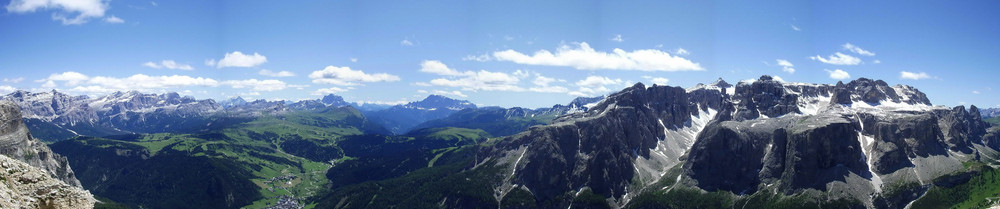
(16, 143)
(857, 141)
(25, 186)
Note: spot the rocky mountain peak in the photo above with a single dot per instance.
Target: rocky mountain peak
(434, 101)
(721, 83)
(334, 100)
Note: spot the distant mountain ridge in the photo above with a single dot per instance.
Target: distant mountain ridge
(54, 116)
(500, 121)
(402, 118)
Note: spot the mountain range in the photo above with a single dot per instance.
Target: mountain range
(760, 143)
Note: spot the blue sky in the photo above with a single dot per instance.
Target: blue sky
(489, 52)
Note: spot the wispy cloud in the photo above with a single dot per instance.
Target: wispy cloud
(838, 59)
(581, 56)
(593, 85)
(838, 74)
(449, 93)
(796, 28)
(858, 50)
(266, 72)
(913, 76)
(786, 65)
(618, 38)
(331, 90)
(657, 80)
(13, 80)
(468, 80)
(681, 51)
(406, 42)
(168, 64)
(113, 19)
(257, 85)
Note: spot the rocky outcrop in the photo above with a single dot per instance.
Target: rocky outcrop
(765, 97)
(16, 142)
(25, 186)
(847, 141)
(599, 148)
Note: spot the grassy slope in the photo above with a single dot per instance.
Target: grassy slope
(299, 145)
(971, 194)
(994, 120)
(254, 146)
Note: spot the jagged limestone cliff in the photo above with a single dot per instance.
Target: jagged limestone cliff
(17, 143)
(31, 175)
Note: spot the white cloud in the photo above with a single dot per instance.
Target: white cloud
(299, 87)
(353, 59)
(597, 81)
(6, 89)
(594, 85)
(168, 64)
(406, 42)
(282, 73)
(544, 84)
(796, 28)
(913, 76)
(522, 73)
(344, 76)
(452, 93)
(470, 80)
(877, 61)
(331, 90)
(617, 38)
(49, 84)
(838, 74)
(437, 67)
(975, 92)
(838, 59)
(681, 51)
(83, 9)
(857, 50)
(583, 57)
(478, 58)
(238, 59)
(210, 62)
(542, 80)
(657, 80)
(13, 80)
(786, 66)
(257, 85)
(482, 80)
(141, 82)
(70, 78)
(113, 19)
